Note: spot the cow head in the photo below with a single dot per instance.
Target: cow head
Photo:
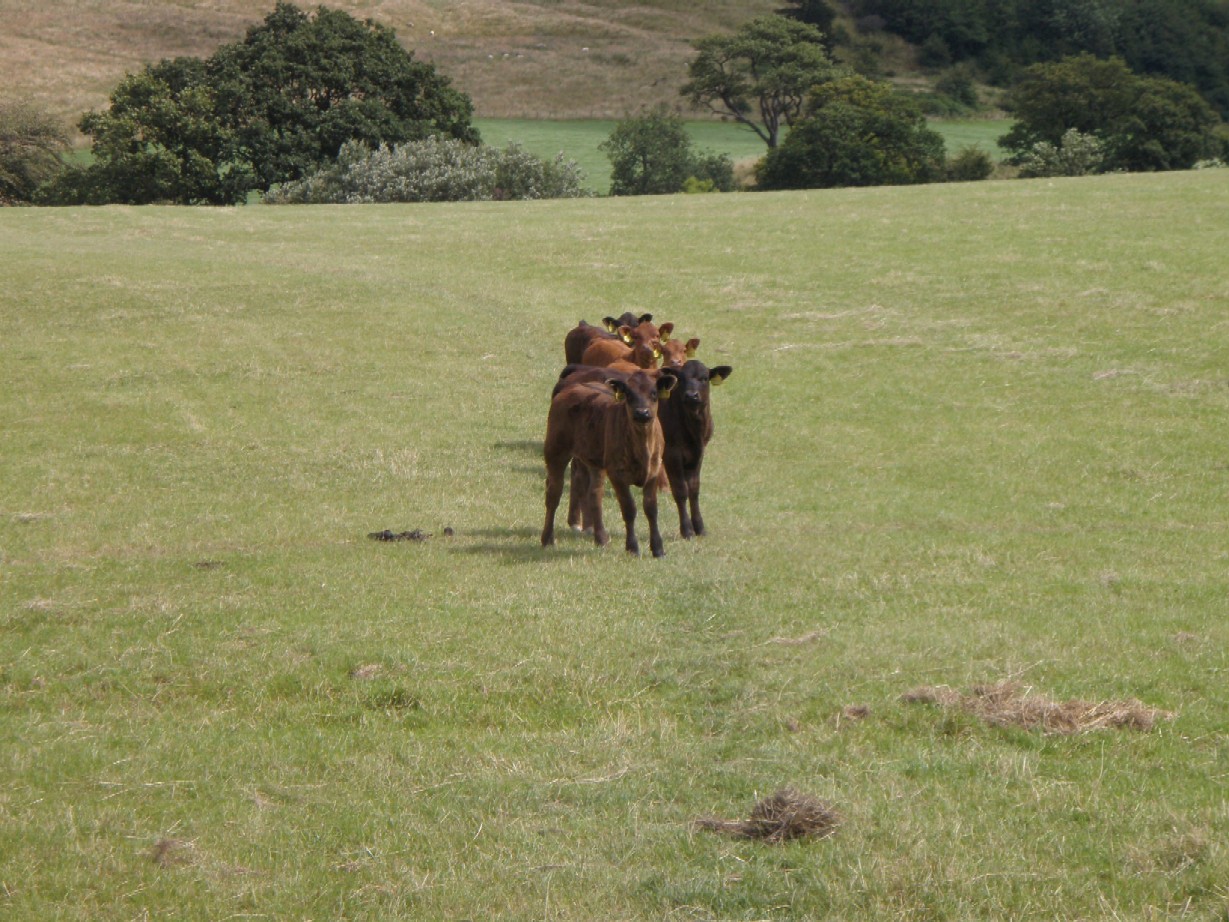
(675, 353)
(628, 319)
(641, 391)
(694, 381)
(645, 343)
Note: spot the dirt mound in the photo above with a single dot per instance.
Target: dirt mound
(787, 814)
(1008, 704)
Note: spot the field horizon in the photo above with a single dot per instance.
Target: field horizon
(973, 443)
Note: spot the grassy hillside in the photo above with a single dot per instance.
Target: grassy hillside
(530, 59)
(974, 434)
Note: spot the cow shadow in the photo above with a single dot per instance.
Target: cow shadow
(520, 448)
(523, 545)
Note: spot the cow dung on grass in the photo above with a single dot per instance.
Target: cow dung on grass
(787, 814)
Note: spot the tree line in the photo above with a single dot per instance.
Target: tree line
(321, 107)
(1186, 41)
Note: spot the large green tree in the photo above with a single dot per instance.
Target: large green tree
(857, 132)
(299, 86)
(269, 109)
(1143, 123)
(761, 74)
(159, 142)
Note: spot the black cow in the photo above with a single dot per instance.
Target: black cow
(687, 424)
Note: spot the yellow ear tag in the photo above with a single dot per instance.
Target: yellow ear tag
(618, 395)
(656, 353)
(691, 352)
(713, 382)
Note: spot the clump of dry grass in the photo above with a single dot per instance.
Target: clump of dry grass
(1008, 704)
(787, 814)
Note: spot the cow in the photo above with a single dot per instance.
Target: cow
(581, 335)
(675, 352)
(687, 424)
(608, 426)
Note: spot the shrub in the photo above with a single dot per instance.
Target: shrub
(435, 170)
(1144, 123)
(857, 133)
(969, 165)
(653, 155)
(1078, 154)
(30, 146)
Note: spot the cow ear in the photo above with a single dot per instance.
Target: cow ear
(619, 388)
(666, 381)
(719, 374)
(692, 345)
(645, 318)
(610, 323)
(625, 332)
(664, 331)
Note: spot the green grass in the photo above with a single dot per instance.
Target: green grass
(579, 140)
(973, 432)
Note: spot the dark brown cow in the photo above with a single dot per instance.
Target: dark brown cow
(687, 424)
(609, 427)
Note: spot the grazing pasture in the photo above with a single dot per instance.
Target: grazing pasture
(580, 139)
(977, 435)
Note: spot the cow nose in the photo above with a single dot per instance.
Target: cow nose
(692, 397)
(641, 415)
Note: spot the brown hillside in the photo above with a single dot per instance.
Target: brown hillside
(519, 59)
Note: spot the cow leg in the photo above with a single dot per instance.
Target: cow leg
(593, 505)
(554, 492)
(577, 497)
(650, 513)
(627, 506)
(693, 490)
(678, 488)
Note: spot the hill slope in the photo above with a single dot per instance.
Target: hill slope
(528, 59)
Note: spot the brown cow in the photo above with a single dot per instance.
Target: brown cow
(608, 427)
(579, 337)
(675, 353)
(636, 346)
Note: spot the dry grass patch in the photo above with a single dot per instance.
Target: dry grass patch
(787, 814)
(1009, 704)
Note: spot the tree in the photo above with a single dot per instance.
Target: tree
(761, 74)
(271, 108)
(653, 155)
(31, 143)
(160, 141)
(1143, 123)
(299, 86)
(857, 132)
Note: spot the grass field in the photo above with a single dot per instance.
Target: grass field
(974, 433)
(580, 140)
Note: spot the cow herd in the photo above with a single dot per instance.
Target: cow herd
(616, 413)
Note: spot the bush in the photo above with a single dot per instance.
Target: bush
(970, 164)
(857, 133)
(31, 143)
(1144, 123)
(653, 155)
(1078, 154)
(435, 170)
